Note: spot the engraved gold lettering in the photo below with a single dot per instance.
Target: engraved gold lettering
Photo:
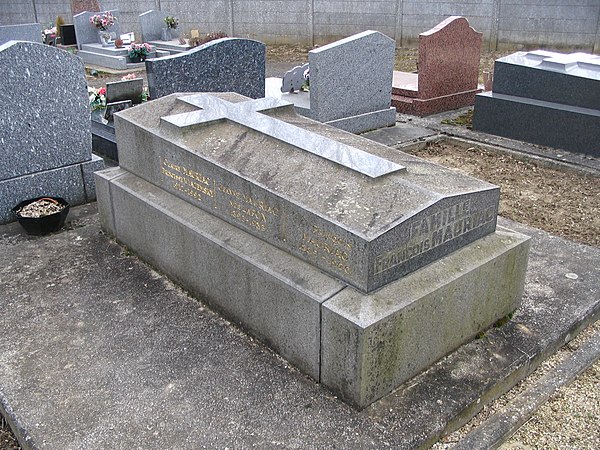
(436, 229)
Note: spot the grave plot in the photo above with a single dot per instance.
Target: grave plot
(359, 264)
(545, 98)
(448, 70)
(45, 152)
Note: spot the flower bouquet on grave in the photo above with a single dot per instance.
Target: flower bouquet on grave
(139, 52)
(172, 23)
(97, 98)
(103, 21)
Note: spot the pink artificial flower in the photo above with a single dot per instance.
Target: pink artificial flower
(102, 91)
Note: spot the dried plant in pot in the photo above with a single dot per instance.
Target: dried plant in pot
(42, 215)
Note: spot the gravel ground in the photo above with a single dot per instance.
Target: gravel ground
(569, 420)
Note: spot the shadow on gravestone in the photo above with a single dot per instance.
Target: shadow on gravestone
(45, 152)
(223, 65)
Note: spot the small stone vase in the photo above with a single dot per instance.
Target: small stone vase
(166, 34)
(104, 38)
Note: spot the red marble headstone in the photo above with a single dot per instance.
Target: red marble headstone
(449, 58)
(448, 70)
(78, 6)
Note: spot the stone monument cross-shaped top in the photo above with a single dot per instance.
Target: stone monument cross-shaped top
(249, 114)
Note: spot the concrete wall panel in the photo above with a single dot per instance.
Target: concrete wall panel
(504, 23)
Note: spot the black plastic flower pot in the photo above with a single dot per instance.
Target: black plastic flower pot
(43, 224)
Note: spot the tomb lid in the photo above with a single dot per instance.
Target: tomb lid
(260, 166)
(577, 64)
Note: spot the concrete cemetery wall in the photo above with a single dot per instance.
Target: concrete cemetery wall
(504, 23)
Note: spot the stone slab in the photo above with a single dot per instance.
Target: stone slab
(270, 293)
(333, 216)
(29, 143)
(401, 133)
(152, 23)
(362, 123)
(107, 61)
(538, 122)
(570, 79)
(94, 47)
(373, 343)
(74, 183)
(86, 33)
(170, 47)
(352, 76)
(426, 107)
(31, 32)
(222, 65)
(118, 91)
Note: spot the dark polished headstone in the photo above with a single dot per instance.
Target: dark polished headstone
(569, 79)
(222, 65)
(545, 98)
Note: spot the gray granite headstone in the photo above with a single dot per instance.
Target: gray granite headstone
(545, 98)
(294, 79)
(45, 129)
(222, 65)
(31, 32)
(350, 84)
(152, 23)
(125, 90)
(340, 202)
(86, 33)
(352, 76)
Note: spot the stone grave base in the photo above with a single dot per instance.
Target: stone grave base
(540, 122)
(353, 124)
(173, 46)
(360, 346)
(406, 100)
(74, 183)
(427, 107)
(112, 57)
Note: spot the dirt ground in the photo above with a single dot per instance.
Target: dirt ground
(565, 203)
